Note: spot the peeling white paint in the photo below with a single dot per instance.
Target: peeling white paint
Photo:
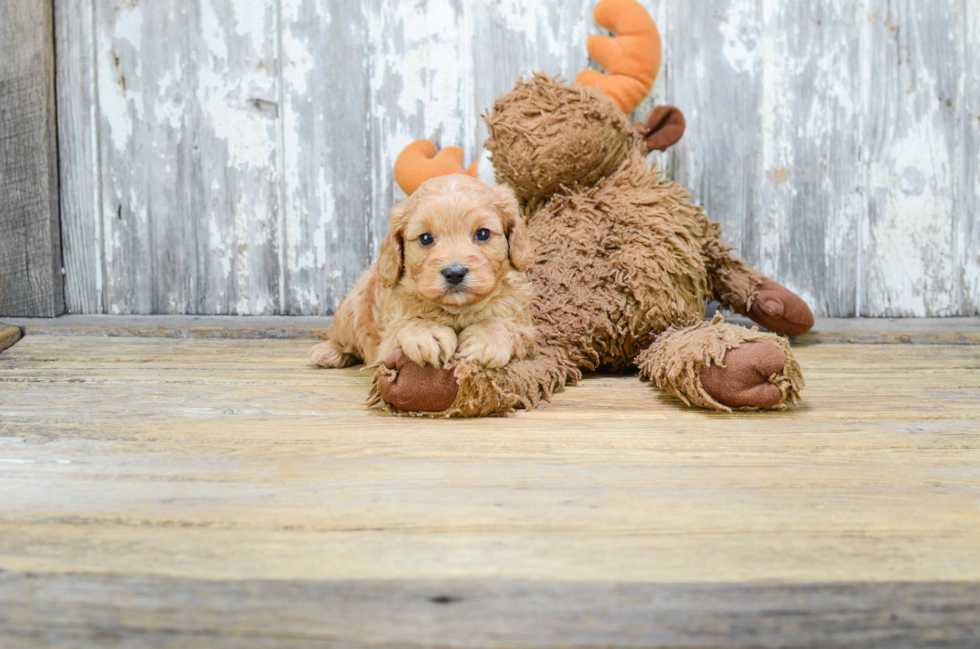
(116, 98)
(774, 165)
(740, 33)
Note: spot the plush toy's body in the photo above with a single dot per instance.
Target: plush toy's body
(623, 264)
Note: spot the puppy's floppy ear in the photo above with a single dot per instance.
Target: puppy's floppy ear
(518, 244)
(391, 254)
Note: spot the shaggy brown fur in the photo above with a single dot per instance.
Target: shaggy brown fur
(623, 264)
(615, 264)
(556, 134)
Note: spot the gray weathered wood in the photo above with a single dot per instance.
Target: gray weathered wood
(715, 76)
(968, 236)
(837, 141)
(30, 233)
(809, 200)
(911, 141)
(78, 128)
(188, 129)
(329, 233)
(114, 611)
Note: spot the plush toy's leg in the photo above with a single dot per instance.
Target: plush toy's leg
(744, 290)
(467, 390)
(723, 366)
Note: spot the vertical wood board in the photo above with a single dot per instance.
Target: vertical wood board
(30, 231)
(190, 179)
(911, 142)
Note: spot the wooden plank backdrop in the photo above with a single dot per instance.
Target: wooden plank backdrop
(232, 157)
(30, 233)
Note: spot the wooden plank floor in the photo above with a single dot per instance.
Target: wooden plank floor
(212, 493)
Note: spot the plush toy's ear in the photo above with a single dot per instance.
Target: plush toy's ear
(663, 128)
(419, 162)
(518, 244)
(391, 255)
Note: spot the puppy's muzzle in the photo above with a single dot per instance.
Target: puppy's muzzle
(455, 274)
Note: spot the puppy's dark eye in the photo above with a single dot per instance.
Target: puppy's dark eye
(426, 239)
(482, 234)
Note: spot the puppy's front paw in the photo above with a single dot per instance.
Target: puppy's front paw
(484, 350)
(433, 345)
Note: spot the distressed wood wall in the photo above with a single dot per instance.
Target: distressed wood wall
(30, 233)
(225, 156)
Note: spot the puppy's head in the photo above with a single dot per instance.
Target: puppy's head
(453, 240)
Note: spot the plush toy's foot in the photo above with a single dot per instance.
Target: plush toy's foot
(723, 367)
(415, 388)
(743, 380)
(466, 390)
(781, 310)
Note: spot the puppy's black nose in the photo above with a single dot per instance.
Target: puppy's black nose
(454, 274)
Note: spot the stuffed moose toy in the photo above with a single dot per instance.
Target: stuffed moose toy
(622, 264)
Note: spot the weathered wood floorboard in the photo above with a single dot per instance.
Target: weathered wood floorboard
(226, 493)
(111, 611)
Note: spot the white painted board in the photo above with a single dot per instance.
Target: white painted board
(236, 157)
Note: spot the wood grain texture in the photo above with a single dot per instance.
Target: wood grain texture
(80, 171)
(810, 202)
(968, 235)
(182, 486)
(911, 140)
(188, 106)
(330, 235)
(110, 611)
(837, 141)
(715, 76)
(30, 231)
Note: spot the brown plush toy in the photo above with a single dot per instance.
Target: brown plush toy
(623, 263)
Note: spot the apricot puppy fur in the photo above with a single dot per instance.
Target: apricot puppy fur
(449, 283)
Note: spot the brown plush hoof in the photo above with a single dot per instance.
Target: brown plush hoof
(744, 380)
(415, 388)
(781, 310)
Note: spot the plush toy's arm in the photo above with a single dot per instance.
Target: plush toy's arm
(744, 290)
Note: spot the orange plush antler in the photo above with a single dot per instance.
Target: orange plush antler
(419, 161)
(632, 59)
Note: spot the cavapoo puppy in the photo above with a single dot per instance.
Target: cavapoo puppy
(449, 283)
